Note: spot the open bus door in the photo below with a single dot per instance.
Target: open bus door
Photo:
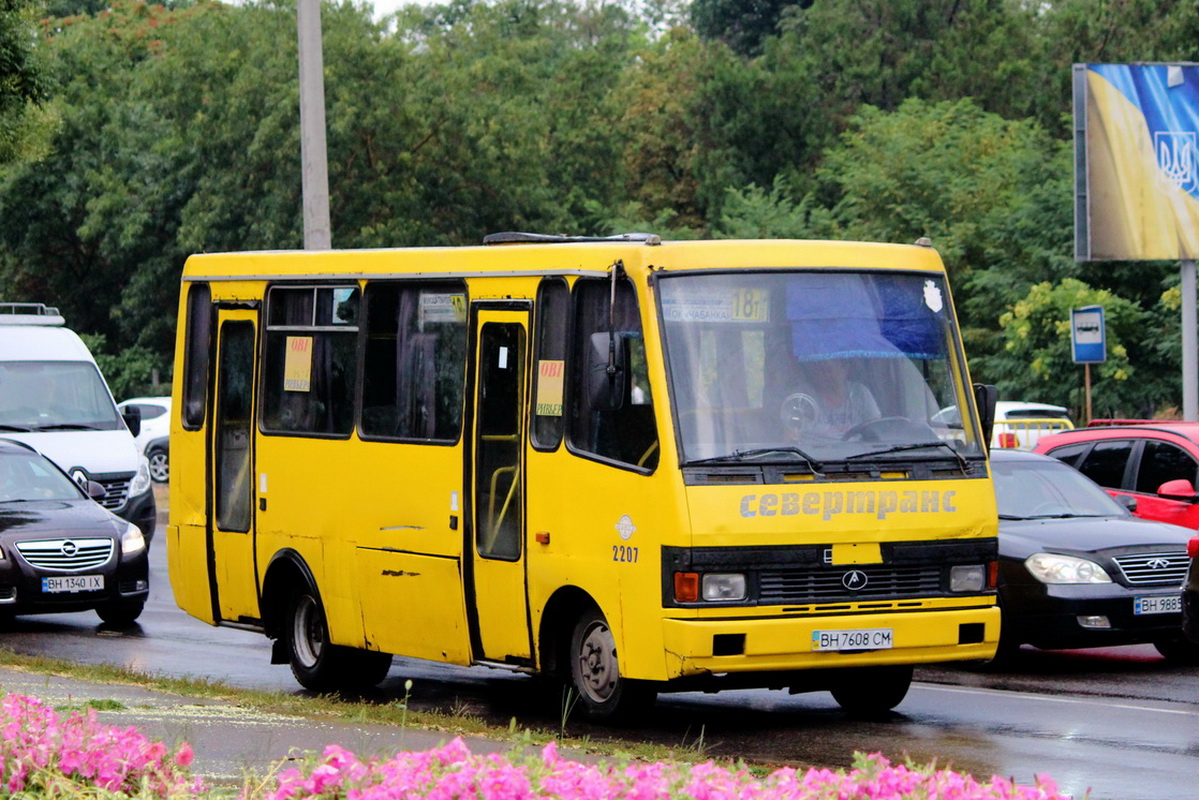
(231, 469)
(497, 595)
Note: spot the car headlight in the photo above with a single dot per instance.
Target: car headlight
(1050, 568)
(141, 481)
(132, 539)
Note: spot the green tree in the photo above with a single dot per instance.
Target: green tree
(971, 180)
(23, 89)
(881, 52)
(743, 26)
(1037, 358)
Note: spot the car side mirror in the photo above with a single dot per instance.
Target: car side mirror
(133, 419)
(96, 490)
(1128, 501)
(1180, 489)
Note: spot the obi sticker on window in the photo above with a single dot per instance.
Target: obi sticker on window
(297, 364)
(549, 388)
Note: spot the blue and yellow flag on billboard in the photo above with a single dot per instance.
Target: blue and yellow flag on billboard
(1135, 146)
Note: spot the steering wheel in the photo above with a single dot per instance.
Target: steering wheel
(799, 411)
(898, 429)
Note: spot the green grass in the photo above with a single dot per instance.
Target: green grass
(397, 713)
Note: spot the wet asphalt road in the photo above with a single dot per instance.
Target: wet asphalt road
(1121, 722)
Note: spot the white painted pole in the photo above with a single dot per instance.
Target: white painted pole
(313, 156)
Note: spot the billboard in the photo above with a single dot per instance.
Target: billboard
(1136, 179)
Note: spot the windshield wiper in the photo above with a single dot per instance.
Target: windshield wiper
(762, 452)
(897, 448)
(16, 428)
(66, 426)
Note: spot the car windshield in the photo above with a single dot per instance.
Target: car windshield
(814, 366)
(1036, 489)
(54, 395)
(26, 477)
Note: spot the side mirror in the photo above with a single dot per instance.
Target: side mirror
(985, 397)
(96, 490)
(1128, 501)
(1180, 489)
(607, 368)
(133, 419)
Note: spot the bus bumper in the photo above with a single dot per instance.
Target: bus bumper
(772, 644)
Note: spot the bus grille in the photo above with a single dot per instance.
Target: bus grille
(819, 585)
(66, 555)
(1154, 569)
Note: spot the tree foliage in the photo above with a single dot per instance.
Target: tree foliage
(23, 87)
(137, 134)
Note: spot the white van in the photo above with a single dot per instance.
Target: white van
(53, 398)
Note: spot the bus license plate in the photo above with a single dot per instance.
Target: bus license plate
(860, 639)
(73, 583)
(1157, 605)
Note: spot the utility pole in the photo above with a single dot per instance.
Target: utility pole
(1190, 348)
(313, 156)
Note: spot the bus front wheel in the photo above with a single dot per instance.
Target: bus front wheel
(317, 664)
(595, 672)
(873, 690)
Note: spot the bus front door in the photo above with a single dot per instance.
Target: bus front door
(497, 595)
(231, 460)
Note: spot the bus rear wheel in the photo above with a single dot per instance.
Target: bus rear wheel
(319, 665)
(595, 672)
(872, 690)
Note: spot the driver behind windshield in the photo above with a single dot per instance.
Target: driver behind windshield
(830, 404)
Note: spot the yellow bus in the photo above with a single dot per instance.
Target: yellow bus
(627, 464)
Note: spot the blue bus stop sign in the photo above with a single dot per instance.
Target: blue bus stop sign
(1087, 333)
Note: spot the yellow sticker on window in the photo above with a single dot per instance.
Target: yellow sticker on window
(550, 376)
(297, 364)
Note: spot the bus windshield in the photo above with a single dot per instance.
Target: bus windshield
(815, 365)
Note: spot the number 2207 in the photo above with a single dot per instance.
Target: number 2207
(626, 554)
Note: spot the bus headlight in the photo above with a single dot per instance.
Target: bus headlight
(132, 539)
(719, 586)
(1051, 568)
(972, 578)
(141, 481)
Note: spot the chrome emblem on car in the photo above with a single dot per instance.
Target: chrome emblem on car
(80, 477)
(854, 580)
(1158, 563)
(69, 548)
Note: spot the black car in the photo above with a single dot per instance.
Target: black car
(1190, 594)
(60, 550)
(1076, 569)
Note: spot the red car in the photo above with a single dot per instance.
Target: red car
(1151, 467)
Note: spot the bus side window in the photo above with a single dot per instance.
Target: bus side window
(415, 361)
(627, 433)
(195, 358)
(553, 321)
(310, 360)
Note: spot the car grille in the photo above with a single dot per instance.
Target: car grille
(1154, 569)
(808, 585)
(66, 555)
(117, 486)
